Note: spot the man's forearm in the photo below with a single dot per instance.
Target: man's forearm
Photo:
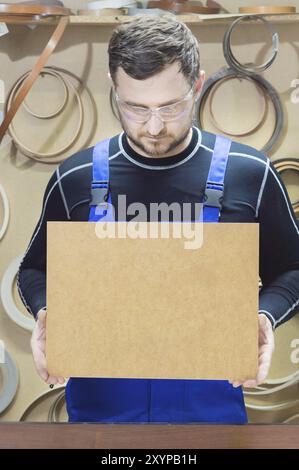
(279, 301)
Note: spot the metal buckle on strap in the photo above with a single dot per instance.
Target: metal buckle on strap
(99, 196)
(96, 182)
(213, 198)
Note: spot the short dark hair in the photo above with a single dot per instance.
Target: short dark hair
(144, 46)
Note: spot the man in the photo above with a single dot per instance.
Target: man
(160, 157)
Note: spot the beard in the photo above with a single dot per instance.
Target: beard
(157, 149)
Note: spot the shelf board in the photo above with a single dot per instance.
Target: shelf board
(195, 19)
(190, 18)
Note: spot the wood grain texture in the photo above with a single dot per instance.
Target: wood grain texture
(146, 436)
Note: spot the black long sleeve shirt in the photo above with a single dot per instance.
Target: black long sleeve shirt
(253, 192)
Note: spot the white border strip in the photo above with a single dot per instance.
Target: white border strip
(10, 381)
(6, 211)
(6, 293)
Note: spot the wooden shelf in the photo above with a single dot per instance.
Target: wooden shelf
(195, 19)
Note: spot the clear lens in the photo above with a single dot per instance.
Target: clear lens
(172, 111)
(135, 113)
(166, 113)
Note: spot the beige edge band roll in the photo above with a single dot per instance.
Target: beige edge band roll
(104, 12)
(288, 164)
(23, 13)
(268, 10)
(46, 157)
(52, 415)
(258, 121)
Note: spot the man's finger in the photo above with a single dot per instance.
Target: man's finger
(264, 368)
(250, 383)
(264, 363)
(236, 384)
(41, 367)
(40, 362)
(52, 380)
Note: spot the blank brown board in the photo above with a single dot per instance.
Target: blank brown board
(149, 307)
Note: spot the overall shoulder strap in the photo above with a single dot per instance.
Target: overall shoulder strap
(215, 181)
(100, 205)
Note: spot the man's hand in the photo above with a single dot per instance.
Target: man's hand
(266, 348)
(38, 347)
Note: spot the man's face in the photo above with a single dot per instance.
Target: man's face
(155, 137)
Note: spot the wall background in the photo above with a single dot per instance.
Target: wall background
(83, 51)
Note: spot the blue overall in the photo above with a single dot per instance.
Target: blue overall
(155, 400)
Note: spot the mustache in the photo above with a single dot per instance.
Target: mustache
(156, 136)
